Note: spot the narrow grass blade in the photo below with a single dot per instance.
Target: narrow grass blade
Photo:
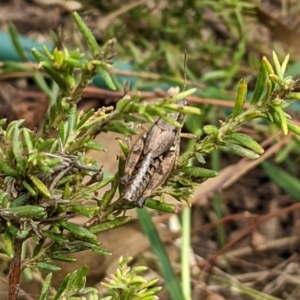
(171, 282)
(283, 179)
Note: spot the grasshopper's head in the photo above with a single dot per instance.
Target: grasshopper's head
(183, 102)
(173, 91)
(181, 117)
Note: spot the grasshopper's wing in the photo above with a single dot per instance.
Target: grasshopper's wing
(162, 134)
(132, 159)
(163, 166)
(158, 141)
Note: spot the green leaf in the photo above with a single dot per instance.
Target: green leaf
(72, 118)
(38, 247)
(131, 118)
(161, 206)
(211, 130)
(78, 231)
(55, 146)
(17, 149)
(62, 133)
(20, 200)
(46, 144)
(2, 122)
(16, 232)
(40, 186)
(87, 34)
(42, 84)
(119, 127)
(268, 65)
(102, 251)
(37, 54)
(191, 110)
(53, 162)
(63, 258)
(107, 78)
(8, 170)
(16, 42)
(239, 151)
(109, 194)
(200, 158)
(269, 89)
(28, 139)
(294, 128)
(281, 117)
(109, 224)
(183, 95)
(46, 287)
(8, 244)
(199, 172)
(29, 188)
(84, 210)
(84, 118)
(11, 126)
(171, 121)
(260, 84)
(47, 266)
(124, 147)
(78, 280)
(62, 288)
(122, 103)
(240, 99)
(284, 63)
(293, 95)
(83, 245)
(98, 185)
(28, 211)
(277, 66)
(246, 141)
(58, 77)
(94, 145)
(58, 238)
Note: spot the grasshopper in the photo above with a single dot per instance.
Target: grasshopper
(152, 159)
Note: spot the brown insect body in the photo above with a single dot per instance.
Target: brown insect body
(132, 160)
(152, 159)
(160, 138)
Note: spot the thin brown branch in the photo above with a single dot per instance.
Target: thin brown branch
(15, 271)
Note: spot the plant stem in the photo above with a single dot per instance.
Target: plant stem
(15, 271)
(185, 253)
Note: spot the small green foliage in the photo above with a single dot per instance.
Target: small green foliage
(46, 287)
(260, 84)
(127, 283)
(109, 224)
(241, 98)
(72, 286)
(8, 244)
(269, 100)
(247, 142)
(199, 172)
(24, 211)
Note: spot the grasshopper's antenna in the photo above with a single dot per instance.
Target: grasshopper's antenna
(184, 69)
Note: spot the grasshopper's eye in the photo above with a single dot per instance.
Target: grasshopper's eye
(183, 102)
